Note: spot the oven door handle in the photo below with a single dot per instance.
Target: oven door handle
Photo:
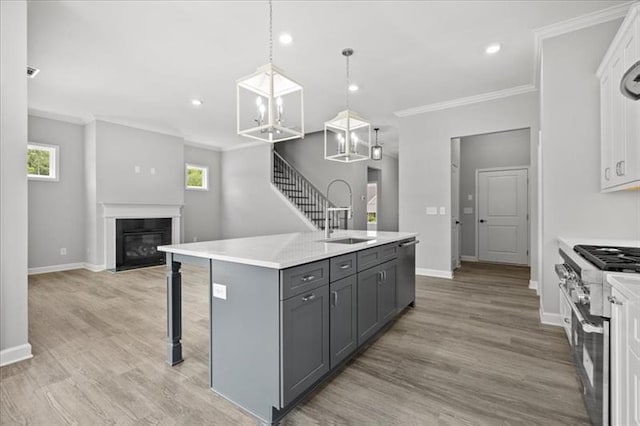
(586, 325)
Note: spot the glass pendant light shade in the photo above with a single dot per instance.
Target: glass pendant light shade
(270, 106)
(347, 136)
(376, 150)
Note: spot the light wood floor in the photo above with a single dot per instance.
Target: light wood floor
(471, 352)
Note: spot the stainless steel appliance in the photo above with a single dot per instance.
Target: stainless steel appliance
(584, 289)
(406, 281)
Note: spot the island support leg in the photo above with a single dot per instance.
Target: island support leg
(174, 311)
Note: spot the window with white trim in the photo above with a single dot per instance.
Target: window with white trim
(42, 161)
(197, 177)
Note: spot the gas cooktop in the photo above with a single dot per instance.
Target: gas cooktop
(609, 258)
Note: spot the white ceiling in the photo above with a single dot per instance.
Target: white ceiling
(141, 62)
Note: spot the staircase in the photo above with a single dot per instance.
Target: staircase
(302, 194)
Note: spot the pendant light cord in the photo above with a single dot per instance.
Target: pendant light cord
(270, 32)
(348, 82)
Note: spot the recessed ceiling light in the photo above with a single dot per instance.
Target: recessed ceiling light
(493, 48)
(353, 87)
(196, 102)
(286, 38)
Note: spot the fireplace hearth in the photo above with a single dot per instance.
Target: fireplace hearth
(137, 242)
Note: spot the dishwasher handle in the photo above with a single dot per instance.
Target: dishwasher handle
(409, 243)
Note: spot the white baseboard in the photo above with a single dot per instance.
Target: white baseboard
(434, 273)
(469, 258)
(15, 354)
(533, 285)
(55, 268)
(550, 319)
(94, 268)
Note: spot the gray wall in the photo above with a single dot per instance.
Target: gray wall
(13, 183)
(425, 168)
(201, 214)
(573, 204)
(250, 206)
(56, 209)
(113, 151)
(491, 150)
(307, 156)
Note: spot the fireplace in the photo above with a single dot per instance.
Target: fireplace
(137, 241)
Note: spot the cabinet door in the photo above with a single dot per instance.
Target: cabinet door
(343, 319)
(629, 167)
(387, 293)
(368, 304)
(618, 119)
(633, 410)
(606, 142)
(619, 347)
(305, 341)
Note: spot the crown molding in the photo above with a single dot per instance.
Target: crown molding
(573, 24)
(135, 125)
(58, 117)
(243, 146)
(454, 103)
(634, 10)
(202, 145)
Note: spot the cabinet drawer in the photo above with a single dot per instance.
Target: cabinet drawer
(342, 266)
(299, 279)
(376, 255)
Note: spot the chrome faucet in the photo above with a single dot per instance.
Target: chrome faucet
(349, 210)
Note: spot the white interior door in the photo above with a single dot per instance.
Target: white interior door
(503, 234)
(455, 217)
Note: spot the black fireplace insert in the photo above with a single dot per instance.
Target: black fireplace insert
(137, 242)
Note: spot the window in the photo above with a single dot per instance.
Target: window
(197, 177)
(42, 162)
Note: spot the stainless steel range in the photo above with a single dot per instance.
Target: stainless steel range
(584, 290)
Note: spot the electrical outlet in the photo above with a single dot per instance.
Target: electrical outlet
(469, 197)
(153, 170)
(220, 291)
(195, 239)
(63, 251)
(136, 169)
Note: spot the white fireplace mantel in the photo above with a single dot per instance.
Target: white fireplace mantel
(113, 211)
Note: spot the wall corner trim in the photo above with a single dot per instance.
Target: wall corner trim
(533, 285)
(550, 318)
(468, 258)
(434, 273)
(15, 354)
(454, 103)
(94, 268)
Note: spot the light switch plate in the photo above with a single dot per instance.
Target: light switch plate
(467, 210)
(153, 170)
(443, 211)
(220, 291)
(136, 169)
(431, 211)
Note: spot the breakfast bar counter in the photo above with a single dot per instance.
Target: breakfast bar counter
(285, 311)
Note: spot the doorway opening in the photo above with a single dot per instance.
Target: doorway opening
(490, 198)
(373, 198)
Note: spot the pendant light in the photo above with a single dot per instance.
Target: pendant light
(347, 136)
(269, 104)
(376, 150)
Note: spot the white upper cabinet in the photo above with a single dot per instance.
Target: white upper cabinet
(620, 116)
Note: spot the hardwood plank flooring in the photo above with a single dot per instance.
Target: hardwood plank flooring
(472, 352)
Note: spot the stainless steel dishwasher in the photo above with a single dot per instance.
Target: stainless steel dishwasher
(406, 279)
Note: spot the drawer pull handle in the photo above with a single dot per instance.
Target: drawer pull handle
(308, 297)
(308, 278)
(335, 298)
(613, 300)
(345, 266)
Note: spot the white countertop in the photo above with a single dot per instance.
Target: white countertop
(628, 284)
(283, 250)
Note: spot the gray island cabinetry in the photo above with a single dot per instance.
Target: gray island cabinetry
(286, 311)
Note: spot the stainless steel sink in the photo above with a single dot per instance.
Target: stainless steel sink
(349, 240)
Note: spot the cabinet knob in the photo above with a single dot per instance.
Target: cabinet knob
(482, 221)
(613, 300)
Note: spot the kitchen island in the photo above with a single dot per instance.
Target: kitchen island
(286, 311)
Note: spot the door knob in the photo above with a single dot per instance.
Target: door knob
(482, 220)
(457, 222)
